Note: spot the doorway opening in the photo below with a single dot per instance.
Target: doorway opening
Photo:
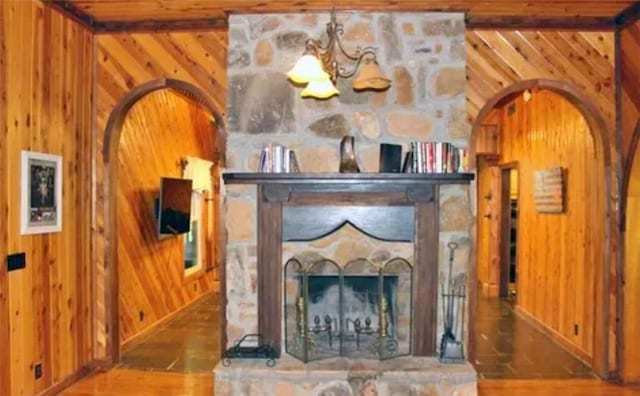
(161, 282)
(536, 268)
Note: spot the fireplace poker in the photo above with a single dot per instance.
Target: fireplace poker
(451, 348)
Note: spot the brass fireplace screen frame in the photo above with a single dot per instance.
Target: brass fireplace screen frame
(319, 300)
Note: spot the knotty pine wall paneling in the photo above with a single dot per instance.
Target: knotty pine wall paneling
(630, 90)
(557, 254)
(630, 111)
(160, 129)
(124, 62)
(5, 373)
(46, 308)
(498, 59)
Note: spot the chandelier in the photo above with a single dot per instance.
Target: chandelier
(319, 68)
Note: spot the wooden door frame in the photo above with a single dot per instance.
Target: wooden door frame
(603, 151)
(505, 227)
(110, 164)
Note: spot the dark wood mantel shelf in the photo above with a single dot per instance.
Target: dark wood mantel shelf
(350, 178)
(387, 206)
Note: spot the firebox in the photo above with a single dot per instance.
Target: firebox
(358, 310)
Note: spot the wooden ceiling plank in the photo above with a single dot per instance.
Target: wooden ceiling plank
(605, 47)
(490, 62)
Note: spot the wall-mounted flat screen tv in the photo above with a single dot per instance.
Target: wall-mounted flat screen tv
(174, 214)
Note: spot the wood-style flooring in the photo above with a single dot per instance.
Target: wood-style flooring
(151, 383)
(179, 357)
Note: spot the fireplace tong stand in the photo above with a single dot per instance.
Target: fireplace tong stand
(453, 298)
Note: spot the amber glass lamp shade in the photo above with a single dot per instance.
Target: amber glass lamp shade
(371, 77)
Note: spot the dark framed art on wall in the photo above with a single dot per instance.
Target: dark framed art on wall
(41, 193)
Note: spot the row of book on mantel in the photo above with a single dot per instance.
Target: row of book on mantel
(436, 157)
(277, 159)
(423, 157)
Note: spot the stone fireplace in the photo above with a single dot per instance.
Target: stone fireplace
(424, 55)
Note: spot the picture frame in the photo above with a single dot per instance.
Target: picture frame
(41, 193)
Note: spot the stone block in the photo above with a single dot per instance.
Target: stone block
(412, 125)
(263, 53)
(450, 82)
(334, 126)
(240, 220)
(455, 214)
(360, 33)
(447, 27)
(260, 26)
(403, 83)
(238, 59)
(260, 104)
(319, 159)
(368, 124)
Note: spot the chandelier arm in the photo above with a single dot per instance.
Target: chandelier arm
(357, 57)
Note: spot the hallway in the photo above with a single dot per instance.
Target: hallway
(510, 348)
(188, 343)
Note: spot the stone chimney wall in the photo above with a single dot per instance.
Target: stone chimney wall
(424, 56)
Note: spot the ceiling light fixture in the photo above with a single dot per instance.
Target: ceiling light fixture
(319, 68)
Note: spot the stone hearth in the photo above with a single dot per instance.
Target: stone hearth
(402, 376)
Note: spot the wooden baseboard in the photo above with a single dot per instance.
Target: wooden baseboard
(144, 334)
(555, 336)
(70, 380)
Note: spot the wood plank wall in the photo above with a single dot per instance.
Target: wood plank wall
(126, 61)
(45, 309)
(5, 373)
(160, 129)
(497, 59)
(557, 254)
(630, 109)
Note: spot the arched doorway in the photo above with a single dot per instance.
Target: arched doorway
(110, 155)
(629, 348)
(596, 338)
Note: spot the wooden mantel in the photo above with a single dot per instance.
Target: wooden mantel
(374, 199)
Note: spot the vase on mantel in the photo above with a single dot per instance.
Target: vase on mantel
(348, 162)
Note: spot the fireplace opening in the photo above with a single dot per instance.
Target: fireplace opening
(360, 310)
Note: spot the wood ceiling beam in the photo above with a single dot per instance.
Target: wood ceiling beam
(72, 11)
(539, 23)
(628, 16)
(162, 26)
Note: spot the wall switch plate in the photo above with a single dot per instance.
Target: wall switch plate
(16, 261)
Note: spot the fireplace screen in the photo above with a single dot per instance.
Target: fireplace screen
(360, 310)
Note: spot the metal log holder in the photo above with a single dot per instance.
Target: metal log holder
(453, 299)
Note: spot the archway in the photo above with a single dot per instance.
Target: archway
(110, 150)
(629, 348)
(602, 166)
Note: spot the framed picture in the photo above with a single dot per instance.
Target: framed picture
(41, 185)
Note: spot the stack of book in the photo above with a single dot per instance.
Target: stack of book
(436, 157)
(277, 159)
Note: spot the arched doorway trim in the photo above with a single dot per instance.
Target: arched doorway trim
(109, 155)
(600, 133)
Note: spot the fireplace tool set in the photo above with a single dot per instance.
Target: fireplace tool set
(453, 298)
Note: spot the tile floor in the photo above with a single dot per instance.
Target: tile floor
(188, 343)
(509, 348)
